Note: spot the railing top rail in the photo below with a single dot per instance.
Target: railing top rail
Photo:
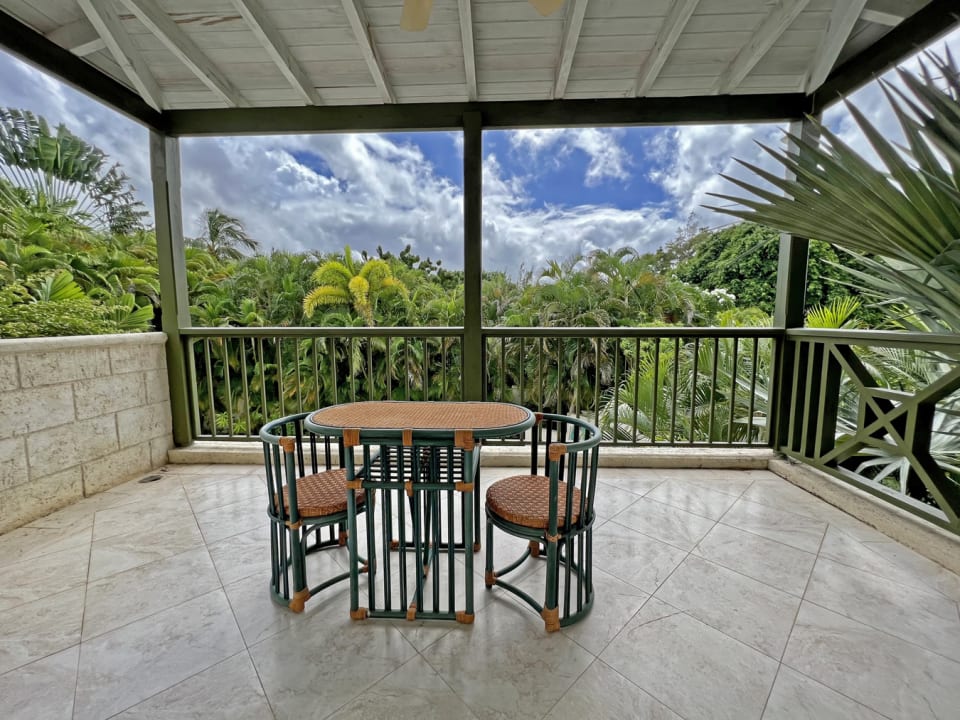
(322, 332)
(878, 338)
(634, 332)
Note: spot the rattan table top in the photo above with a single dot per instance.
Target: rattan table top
(486, 419)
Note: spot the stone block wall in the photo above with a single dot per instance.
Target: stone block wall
(78, 415)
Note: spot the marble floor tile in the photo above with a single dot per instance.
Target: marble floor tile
(729, 482)
(43, 689)
(749, 611)
(797, 697)
(40, 628)
(697, 671)
(242, 555)
(694, 499)
(414, 691)
(634, 557)
(38, 577)
(890, 676)
(512, 642)
(124, 597)
(233, 519)
(772, 523)
(665, 523)
(779, 493)
(602, 693)
(326, 660)
(126, 666)
(768, 561)
(229, 689)
(636, 481)
(208, 496)
(34, 541)
(611, 500)
(921, 569)
(132, 516)
(148, 544)
(922, 617)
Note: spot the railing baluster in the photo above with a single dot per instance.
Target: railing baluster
(281, 391)
(753, 389)
(676, 380)
(332, 351)
(616, 391)
(693, 388)
(503, 368)
(207, 352)
(654, 391)
(733, 388)
(713, 389)
(371, 380)
(226, 385)
(389, 366)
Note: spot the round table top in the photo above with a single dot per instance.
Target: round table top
(485, 419)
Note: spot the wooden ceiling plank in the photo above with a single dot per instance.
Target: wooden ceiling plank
(842, 19)
(361, 31)
(773, 26)
(572, 24)
(79, 37)
(889, 12)
(469, 52)
(179, 43)
(269, 36)
(105, 21)
(669, 33)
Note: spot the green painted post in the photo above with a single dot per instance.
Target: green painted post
(788, 313)
(472, 256)
(171, 262)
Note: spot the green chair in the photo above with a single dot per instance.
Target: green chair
(551, 508)
(307, 506)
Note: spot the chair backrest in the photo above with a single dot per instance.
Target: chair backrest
(567, 449)
(291, 452)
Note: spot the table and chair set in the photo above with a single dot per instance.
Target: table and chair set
(398, 483)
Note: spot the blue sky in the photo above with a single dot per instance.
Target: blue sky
(548, 194)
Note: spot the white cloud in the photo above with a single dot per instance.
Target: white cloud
(607, 158)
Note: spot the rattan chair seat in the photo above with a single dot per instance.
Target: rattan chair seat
(324, 493)
(525, 500)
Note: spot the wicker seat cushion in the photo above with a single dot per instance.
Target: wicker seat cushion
(324, 493)
(525, 500)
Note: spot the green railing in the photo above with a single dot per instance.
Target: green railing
(880, 410)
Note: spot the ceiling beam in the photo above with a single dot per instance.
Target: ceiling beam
(269, 36)
(617, 112)
(890, 12)
(32, 47)
(361, 31)
(918, 31)
(79, 37)
(773, 26)
(572, 24)
(842, 19)
(179, 43)
(104, 19)
(469, 53)
(670, 32)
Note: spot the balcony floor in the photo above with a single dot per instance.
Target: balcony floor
(720, 594)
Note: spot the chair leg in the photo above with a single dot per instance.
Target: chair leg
(488, 577)
(551, 612)
(300, 591)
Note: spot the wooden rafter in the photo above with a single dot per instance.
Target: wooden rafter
(889, 12)
(179, 43)
(572, 25)
(269, 36)
(670, 31)
(469, 54)
(105, 21)
(842, 19)
(361, 31)
(79, 37)
(770, 30)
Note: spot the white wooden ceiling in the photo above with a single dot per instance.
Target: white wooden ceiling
(180, 54)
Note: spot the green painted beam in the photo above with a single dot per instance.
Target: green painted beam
(171, 262)
(34, 48)
(518, 114)
(472, 256)
(919, 30)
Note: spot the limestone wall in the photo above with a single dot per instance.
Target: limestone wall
(78, 415)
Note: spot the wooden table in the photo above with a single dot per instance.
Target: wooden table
(428, 452)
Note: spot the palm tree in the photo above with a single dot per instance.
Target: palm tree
(223, 236)
(343, 283)
(60, 170)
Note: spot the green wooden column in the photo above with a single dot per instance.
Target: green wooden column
(788, 313)
(174, 303)
(472, 256)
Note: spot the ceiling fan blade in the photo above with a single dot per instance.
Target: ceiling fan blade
(415, 15)
(547, 7)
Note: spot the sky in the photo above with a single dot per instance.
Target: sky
(548, 194)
